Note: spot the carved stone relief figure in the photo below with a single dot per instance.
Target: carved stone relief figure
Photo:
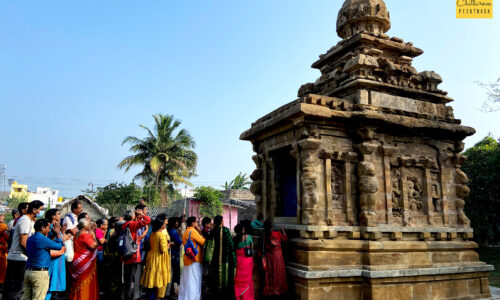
(414, 186)
(338, 201)
(437, 200)
(397, 205)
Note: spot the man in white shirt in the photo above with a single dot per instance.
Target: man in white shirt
(71, 219)
(16, 260)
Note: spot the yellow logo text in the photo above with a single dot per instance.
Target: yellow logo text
(474, 9)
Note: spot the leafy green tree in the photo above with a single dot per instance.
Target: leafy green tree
(209, 197)
(483, 204)
(116, 196)
(165, 154)
(240, 182)
(14, 201)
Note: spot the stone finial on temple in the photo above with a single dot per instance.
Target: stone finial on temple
(363, 16)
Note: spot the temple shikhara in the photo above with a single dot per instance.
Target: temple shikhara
(363, 171)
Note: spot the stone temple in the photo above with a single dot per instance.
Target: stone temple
(363, 170)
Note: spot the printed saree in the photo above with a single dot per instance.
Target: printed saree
(83, 268)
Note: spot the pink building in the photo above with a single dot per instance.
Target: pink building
(230, 212)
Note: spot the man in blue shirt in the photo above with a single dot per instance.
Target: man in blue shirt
(38, 248)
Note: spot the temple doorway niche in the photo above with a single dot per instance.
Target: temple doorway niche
(286, 183)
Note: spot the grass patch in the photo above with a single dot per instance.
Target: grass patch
(491, 256)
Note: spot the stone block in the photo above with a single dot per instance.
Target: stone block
(396, 235)
(311, 234)
(445, 257)
(395, 258)
(343, 292)
(469, 256)
(421, 291)
(323, 259)
(474, 286)
(452, 235)
(316, 234)
(331, 234)
(441, 236)
(394, 291)
(424, 236)
(467, 235)
(449, 289)
(419, 259)
(354, 235)
(485, 286)
(377, 235)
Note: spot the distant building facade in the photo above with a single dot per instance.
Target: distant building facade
(47, 195)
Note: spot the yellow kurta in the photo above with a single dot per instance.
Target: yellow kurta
(157, 271)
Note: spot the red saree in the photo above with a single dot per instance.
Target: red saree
(84, 284)
(275, 276)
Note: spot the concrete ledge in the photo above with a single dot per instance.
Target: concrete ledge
(387, 273)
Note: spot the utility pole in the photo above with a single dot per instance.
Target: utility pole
(2, 173)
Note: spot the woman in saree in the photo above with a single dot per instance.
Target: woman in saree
(243, 281)
(156, 275)
(84, 284)
(112, 282)
(3, 250)
(221, 260)
(57, 269)
(275, 275)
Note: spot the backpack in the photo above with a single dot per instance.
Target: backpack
(126, 244)
(190, 250)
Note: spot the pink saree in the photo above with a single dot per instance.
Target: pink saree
(243, 281)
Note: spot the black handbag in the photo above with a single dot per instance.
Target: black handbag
(248, 251)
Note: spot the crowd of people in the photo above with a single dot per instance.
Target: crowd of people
(134, 256)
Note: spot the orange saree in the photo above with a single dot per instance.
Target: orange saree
(84, 284)
(3, 251)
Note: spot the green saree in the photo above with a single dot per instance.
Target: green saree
(221, 260)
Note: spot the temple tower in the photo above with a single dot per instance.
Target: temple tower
(363, 170)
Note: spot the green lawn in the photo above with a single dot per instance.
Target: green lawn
(491, 256)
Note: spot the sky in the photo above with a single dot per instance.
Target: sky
(76, 77)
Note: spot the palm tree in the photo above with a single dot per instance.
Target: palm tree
(240, 182)
(166, 154)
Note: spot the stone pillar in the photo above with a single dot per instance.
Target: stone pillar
(257, 186)
(368, 185)
(310, 180)
(387, 153)
(428, 206)
(270, 187)
(330, 216)
(296, 154)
